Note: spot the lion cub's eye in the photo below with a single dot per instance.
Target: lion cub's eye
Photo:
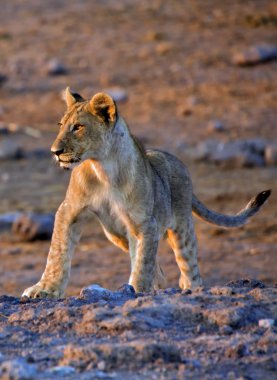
(76, 127)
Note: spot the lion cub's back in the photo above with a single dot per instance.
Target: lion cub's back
(176, 174)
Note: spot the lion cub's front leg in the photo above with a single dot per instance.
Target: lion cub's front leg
(144, 260)
(65, 237)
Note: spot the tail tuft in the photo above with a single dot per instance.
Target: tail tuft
(260, 199)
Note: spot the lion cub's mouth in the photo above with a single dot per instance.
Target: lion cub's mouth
(69, 163)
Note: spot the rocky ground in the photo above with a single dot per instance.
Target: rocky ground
(210, 333)
(196, 78)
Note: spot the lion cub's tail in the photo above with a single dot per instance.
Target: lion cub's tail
(237, 220)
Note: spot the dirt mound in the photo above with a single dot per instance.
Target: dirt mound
(218, 332)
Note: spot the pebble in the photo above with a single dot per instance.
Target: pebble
(55, 67)
(255, 55)
(266, 323)
(101, 365)
(271, 154)
(96, 292)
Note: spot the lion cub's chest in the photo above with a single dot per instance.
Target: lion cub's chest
(104, 195)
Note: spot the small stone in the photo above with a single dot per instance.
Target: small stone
(266, 323)
(271, 154)
(255, 55)
(96, 293)
(55, 67)
(101, 365)
(118, 94)
(215, 126)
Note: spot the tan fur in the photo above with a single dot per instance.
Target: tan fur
(138, 196)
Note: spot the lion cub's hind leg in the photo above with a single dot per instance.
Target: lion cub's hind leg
(184, 244)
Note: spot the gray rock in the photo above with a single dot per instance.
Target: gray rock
(233, 157)
(7, 220)
(10, 150)
(255, 55)
(95, 293)
(118, 94)
(255, 145)
(239, 153)
(17, 369)
(55, 67)
(205, 150)
(30, 227)
(271, 154)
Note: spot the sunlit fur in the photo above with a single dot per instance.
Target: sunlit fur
(138, 196)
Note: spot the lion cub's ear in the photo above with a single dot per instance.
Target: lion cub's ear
(103, 106)
(71, 98)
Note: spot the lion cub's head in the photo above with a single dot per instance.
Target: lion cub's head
(85, 129)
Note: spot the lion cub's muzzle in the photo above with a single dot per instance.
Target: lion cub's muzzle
(66, 160)
(57, 151)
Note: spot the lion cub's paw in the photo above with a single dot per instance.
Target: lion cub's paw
(37, 291)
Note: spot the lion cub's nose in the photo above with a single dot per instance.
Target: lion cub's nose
(57, 151)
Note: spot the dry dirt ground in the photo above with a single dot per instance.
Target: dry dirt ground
(174, 60)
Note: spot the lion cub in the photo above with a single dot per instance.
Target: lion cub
(138, 195)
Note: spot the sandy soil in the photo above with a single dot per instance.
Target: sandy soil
(169, 57)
